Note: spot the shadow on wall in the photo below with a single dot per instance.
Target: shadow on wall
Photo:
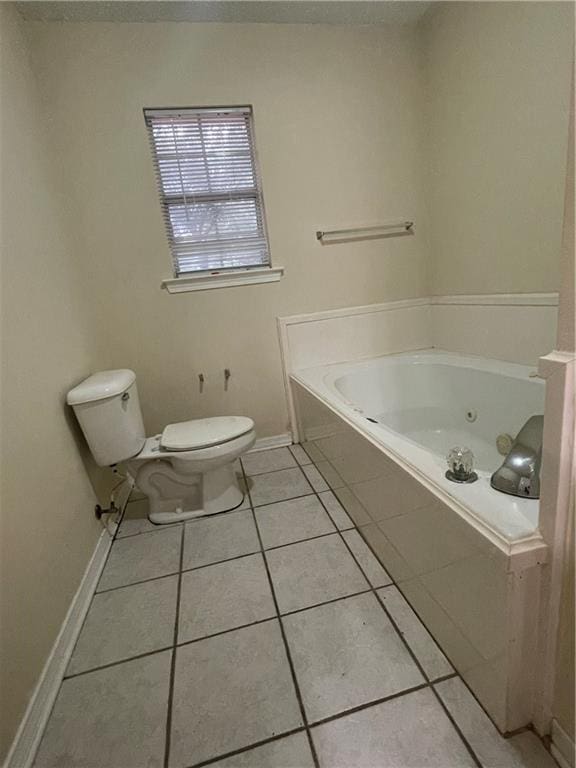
(102, 479)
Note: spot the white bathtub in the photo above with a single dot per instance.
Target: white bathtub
(419, 405)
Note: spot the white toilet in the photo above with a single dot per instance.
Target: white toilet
(187, 471)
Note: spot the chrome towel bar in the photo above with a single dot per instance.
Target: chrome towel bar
(366, 233)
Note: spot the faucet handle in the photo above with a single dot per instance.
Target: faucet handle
(461, 465)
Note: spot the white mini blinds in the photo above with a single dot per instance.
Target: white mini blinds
(209, 188)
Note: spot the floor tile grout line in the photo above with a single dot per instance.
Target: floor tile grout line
(117, 663)
(443, 678)
(228, 631)
(457, 728)
(255, 745)
(327, 602)
(293, 673)
(296, 458)
(290, 498)
(285, 639)
(301, 541)
(353, 525)
(222, 562)
(160, 528)
(167, 742)
(271, 471)
(165, 527)
(136, 583)
(372, 703)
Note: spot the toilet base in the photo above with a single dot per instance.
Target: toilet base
(186, 485)
(179, 515)
(218, 492)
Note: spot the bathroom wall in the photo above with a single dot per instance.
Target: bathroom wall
(47, 531)
(498, 87)
(338, 121)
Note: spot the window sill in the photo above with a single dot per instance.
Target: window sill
(223, 280)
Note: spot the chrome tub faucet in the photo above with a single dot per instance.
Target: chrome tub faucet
(519, 474)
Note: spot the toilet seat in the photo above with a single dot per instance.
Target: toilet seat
(204, 433)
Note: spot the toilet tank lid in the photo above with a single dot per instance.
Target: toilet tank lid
(100, 386)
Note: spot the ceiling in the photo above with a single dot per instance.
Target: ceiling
(239, 11)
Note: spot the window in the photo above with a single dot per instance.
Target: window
(210, 193)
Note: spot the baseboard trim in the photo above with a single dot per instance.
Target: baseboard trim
(276, 441)
(27, 739)
(562, 746)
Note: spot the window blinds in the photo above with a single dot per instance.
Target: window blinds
(209, 188)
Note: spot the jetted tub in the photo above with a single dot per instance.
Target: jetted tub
(419, 405)
(467, 558)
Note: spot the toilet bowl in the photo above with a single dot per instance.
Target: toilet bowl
(186, 471)
(196, 480)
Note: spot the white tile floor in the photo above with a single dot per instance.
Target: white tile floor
(267, 637)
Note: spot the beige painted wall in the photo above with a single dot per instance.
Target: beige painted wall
(498, 90)
(566, 337)
(337, 118)
(47, 531)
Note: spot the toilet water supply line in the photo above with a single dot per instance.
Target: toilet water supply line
(113, 509)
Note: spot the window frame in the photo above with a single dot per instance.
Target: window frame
(226, 276)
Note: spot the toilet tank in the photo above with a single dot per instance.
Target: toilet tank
(107, 407)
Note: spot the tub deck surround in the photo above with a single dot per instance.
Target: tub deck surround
(475, 590)
(282, 641)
